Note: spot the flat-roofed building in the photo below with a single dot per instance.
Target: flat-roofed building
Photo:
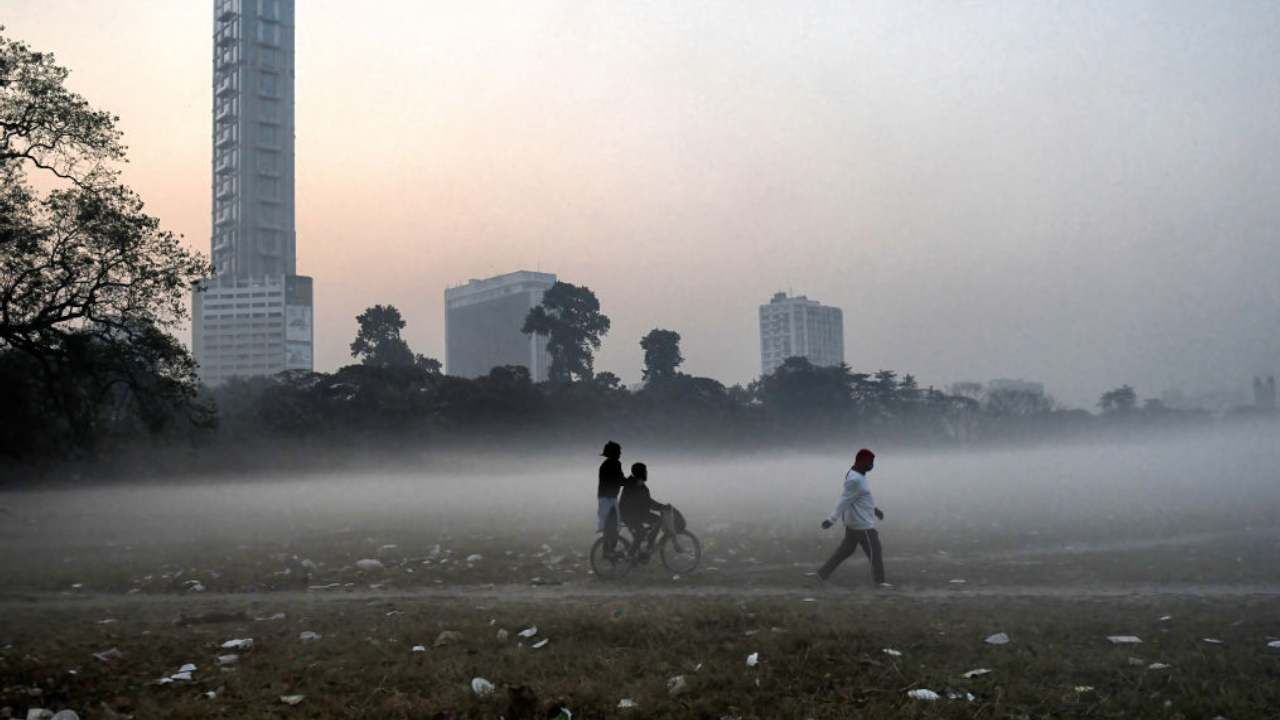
(483, 322)
(800, 327)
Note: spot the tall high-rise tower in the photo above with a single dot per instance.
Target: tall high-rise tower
(254, 316)
(800, 327)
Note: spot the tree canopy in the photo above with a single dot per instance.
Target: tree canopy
(661, 354)
(570, 318)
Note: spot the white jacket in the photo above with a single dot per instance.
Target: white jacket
(856, 507)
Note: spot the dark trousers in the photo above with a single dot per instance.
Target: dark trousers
(870, 542)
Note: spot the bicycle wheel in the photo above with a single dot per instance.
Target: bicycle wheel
(681, 552)
(615, 566)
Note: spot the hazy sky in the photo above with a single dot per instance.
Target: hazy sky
(1082, 193)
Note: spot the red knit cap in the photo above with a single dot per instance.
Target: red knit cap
(864, 455)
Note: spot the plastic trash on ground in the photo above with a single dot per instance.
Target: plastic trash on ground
(627, 703)
(997, 639)
(65, 715)
(474, 558)
(528, 632)
(1213, 641)
(419, 648)
(187, 668)
(291, 699)
(891, 652)
(541, 643)
(753, 659)
(448, 637)
(39, 714)
(481, 687)
(238, 644)
(922, 694)
(1274, 644)
(1158, 666)
(957, 581)
(109, 655)
(1124, 639)
(976, 672)
(676, 685)
(503, 635)
(368, 564)
(1084, 689)
(309, 636)
(958, 695)
(228, 659)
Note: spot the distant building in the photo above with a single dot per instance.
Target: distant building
(254, 316)
(800, 327)
(1264, 393)
(1021, 386)
(483, 320)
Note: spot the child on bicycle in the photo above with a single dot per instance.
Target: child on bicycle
(638, 508)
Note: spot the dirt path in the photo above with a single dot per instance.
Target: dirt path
(597, 592)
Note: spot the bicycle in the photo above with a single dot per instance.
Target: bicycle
(679, 549)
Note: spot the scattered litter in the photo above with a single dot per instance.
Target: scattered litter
(419, 648)
(1084, 688)
(195, 586)
(188, 668)
(892, 652)
(977, 672)
(753, 659)
(957, 581)
(808, 599)
(1158, 666)
(1274, 644)
(238, 644)
(1166, 618)
(277, 616)
(39, 714)
(922, 694)
(627, 704)
(309, 636)
(528, 632)
(109, 655)
(481, 687)
(107, 621)
(212, 694)
(1213, 641)
(228, 659)
(676, 576)
(676, 685)
(369, 564)
(997, 639)
(503, 635)
(957, 695)
(330, 586)
(1124, 639)
(180, 677)
(541, 643)
(1137, 661)
(474, 558)
(65, 715)
(448, 637)
(291, 699)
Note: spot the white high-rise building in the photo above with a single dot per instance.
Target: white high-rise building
(255, 315)
(483, 321)
(800, 327)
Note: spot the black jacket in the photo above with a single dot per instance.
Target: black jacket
(636, 501)
(611, 479)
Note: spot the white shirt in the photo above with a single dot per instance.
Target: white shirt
(856, 508)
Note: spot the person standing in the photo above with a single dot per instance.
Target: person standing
(857, 509)
(610, 484)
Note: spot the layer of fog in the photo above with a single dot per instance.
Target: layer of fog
(1086, 494)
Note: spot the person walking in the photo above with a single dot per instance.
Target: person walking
(857, 509)
(607, 489)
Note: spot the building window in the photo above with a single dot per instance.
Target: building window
(268, 163)
(269, 84)
(269, 9)
(269, 134)
(269, 34)
(269, 188)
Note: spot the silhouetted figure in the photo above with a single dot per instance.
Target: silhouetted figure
(857, 510)
(611, 482)
(639, 510)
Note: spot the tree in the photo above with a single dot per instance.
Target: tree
(84, 271)
(378, 342)
(570, 318)
(1119, 401)
(661, 354)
